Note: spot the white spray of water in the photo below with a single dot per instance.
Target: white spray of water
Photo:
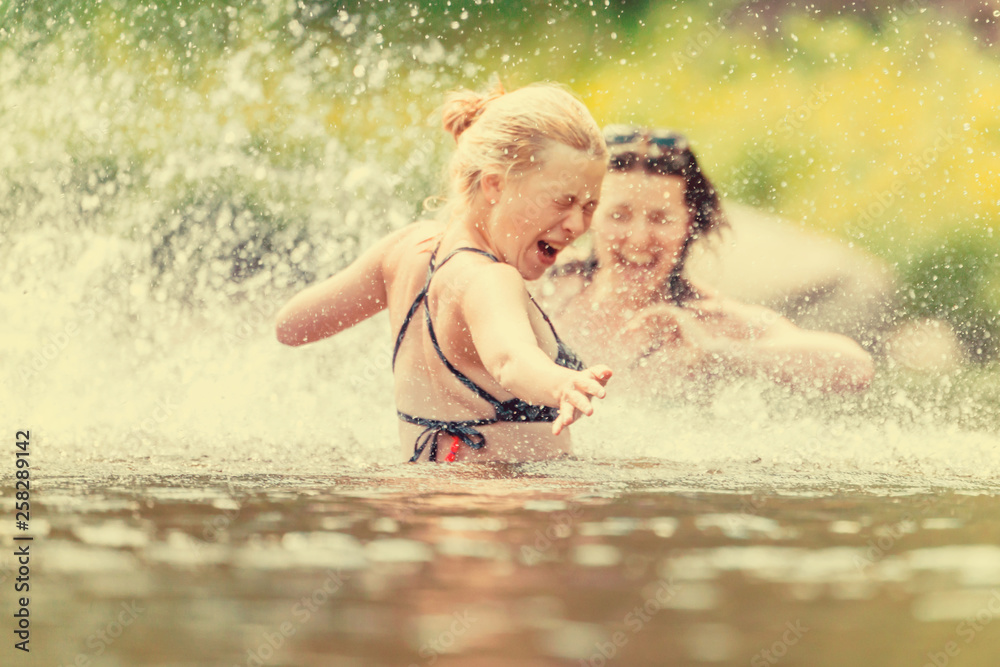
(152, 230)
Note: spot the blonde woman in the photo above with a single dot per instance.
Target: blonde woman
(479, 370)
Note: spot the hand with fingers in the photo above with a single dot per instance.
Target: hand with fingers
(576, 394)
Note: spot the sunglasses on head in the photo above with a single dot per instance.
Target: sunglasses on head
(655, 151)
(623, 135)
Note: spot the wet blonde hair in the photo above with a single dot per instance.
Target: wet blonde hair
(506, 132)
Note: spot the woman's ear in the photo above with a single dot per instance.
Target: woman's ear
(492, 185)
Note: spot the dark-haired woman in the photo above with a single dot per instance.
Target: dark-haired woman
(631, 305)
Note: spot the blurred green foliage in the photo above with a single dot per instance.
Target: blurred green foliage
(957, 280)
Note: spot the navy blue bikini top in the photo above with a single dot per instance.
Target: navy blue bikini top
(512, 410)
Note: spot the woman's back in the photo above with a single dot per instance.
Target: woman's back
(424, 385)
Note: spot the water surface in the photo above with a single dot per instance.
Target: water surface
(482, 565)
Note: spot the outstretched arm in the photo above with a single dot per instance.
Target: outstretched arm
(725, 338)
(800, 358)
(782, 352)
(339, 302)
(496, 305)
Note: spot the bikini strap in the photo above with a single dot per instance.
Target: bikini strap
(565, 356)
(545, 317)
(465, 380)
(422, 294)
(511, 410)
(466, 431)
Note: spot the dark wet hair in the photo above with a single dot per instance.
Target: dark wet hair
(664, 153)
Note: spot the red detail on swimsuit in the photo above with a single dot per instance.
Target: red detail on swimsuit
(455, 444)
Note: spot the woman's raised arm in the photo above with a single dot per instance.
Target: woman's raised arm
(340, 301)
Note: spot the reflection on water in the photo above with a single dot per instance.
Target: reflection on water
(408, 566)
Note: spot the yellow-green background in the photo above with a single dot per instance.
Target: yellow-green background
(876, 124)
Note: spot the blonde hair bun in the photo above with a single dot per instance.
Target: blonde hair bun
(463, 107)
(507, 132)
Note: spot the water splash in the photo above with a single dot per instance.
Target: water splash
(157, 210)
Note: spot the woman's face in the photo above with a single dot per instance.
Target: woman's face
(641, 226)
(544, 209)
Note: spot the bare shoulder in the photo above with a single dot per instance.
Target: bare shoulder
(415, 234)
(414, 238)
(470, 283)
(471, 271)
(428, 229)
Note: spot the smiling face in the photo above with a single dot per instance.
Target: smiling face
(641, 226)
(542, 210)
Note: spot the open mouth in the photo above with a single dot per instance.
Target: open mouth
(644, 260)
(547, 250)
